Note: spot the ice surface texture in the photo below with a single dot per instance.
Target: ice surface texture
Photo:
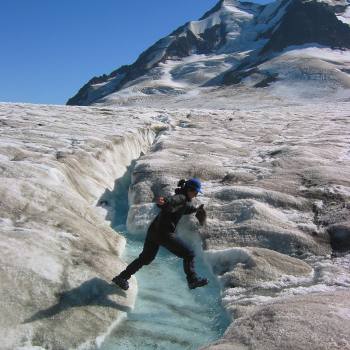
(275, 180)
(58, 253)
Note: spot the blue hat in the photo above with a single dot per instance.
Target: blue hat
(194, 183)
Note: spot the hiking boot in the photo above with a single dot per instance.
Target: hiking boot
(121, 282)
(197, 282)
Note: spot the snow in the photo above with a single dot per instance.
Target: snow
(271, 160)
(229, 13)
(314, 49)
(53, 238)
(199, 27)
(271, 15)
(258, 240)
(299, 70)
(196, 80)
(345, 16)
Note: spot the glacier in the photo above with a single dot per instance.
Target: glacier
(261, 118)
(274, 179)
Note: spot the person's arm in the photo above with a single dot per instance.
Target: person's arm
(190, 208)
(173, 203)
(178, 201)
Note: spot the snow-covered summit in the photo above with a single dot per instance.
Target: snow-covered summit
(227, 46)
(214, 32)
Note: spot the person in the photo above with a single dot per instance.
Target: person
(162, 232)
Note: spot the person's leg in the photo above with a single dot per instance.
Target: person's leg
(178, 247)
(149, 252)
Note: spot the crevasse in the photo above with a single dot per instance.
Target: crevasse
(167, 315)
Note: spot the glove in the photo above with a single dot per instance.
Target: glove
(201, 215)
(161, 202)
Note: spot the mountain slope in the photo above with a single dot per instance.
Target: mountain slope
(226, 47)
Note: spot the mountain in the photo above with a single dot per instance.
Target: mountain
(287, 46)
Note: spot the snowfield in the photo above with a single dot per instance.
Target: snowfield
(276, 183)
(297, 74)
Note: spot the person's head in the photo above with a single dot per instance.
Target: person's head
(192, 187)
(191, 193)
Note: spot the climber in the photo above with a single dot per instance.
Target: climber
(162, 232)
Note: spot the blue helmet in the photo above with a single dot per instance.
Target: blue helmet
(194, 183)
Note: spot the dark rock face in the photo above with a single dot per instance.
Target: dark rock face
(204, 44)
(268, 80)
(309, 22)
(235, 77)
(304, 22)
(216, 8)
(267, 34)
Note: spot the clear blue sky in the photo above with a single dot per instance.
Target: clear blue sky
(50, 48)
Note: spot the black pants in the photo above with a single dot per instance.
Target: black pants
(150, 249)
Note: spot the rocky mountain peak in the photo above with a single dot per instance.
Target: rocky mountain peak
(242, 34)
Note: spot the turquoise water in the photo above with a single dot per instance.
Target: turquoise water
(167, 314)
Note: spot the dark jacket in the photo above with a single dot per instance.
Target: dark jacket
(171, 212)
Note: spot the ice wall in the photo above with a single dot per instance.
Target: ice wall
(58, 252)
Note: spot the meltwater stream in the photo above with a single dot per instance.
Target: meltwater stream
(167, 314)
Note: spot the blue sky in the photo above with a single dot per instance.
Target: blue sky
(50, 48)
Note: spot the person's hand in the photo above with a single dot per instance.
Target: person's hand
(201, 215)
(160, 200)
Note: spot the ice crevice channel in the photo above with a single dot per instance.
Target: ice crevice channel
(166, 314)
